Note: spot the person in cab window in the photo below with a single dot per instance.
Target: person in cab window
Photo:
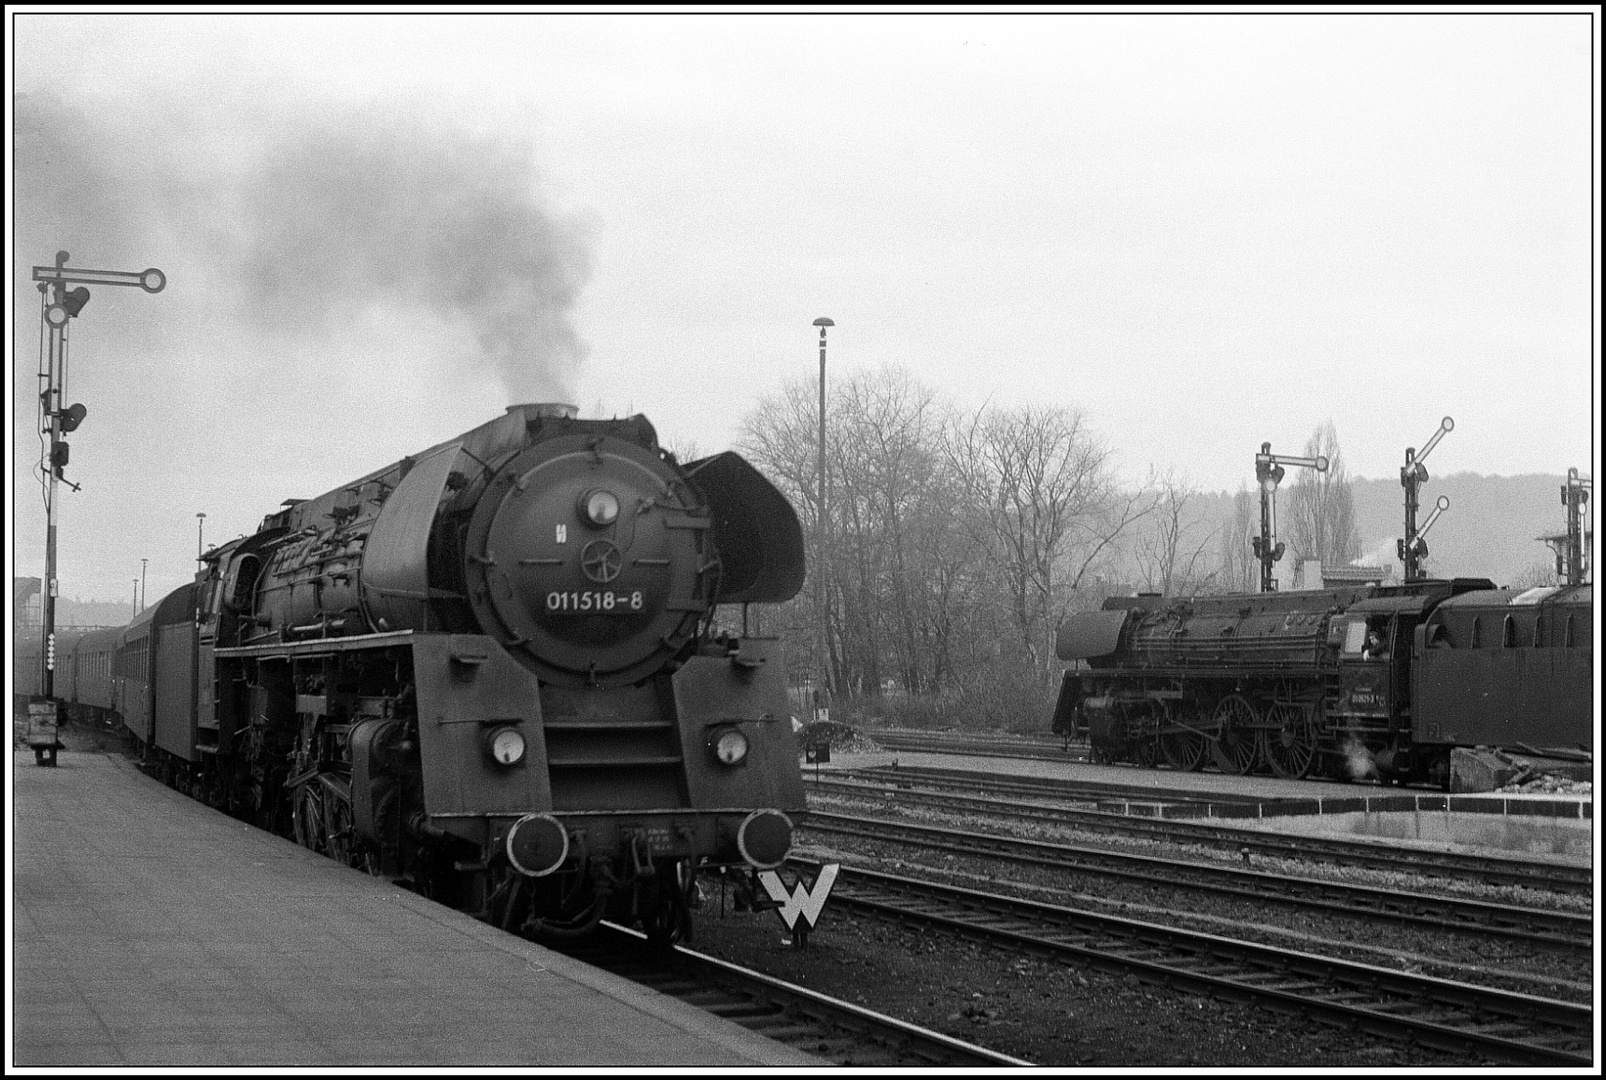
(1374, 647)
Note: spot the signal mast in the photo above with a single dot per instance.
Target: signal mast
(62, 305)
(1570, 546)
(1269, 473)
(1413, 549)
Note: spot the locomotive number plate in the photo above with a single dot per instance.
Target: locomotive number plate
(595, 602)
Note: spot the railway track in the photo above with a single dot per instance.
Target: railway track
(1490, 869)
(839, 1032)
(1330, 897)
(1440, 1013)
(1143, 797)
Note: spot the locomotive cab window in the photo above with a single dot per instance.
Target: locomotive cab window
(1376, 643)
(1355, 638)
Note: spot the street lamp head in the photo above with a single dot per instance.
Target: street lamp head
(823, 321)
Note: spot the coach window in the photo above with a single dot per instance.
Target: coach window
(1477, 633)
(1510, 635)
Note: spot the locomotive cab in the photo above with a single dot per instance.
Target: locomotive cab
(1365, 710)
(1377, 649)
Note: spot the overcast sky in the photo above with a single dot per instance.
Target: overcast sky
(1205, 231)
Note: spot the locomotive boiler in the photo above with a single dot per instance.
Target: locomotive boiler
(491, 671)
(1363, 681)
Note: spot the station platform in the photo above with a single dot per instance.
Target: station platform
(1555, 827)
(150, 930)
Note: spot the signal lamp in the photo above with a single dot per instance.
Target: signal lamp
(70, 417)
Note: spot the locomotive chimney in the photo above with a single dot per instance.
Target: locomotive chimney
(548, 410)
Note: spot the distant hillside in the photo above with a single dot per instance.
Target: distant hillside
(73, 612)
(1489, 530)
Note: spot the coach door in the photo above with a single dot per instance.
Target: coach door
(173, 697)
(134, 682)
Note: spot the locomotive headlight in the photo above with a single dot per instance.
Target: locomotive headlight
(599, 508)
(505, 745)
(727, 745)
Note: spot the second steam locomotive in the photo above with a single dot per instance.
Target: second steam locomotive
(491, 671)
(1363, 681)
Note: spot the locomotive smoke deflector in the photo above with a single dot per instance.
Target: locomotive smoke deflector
(1088, 635)
(756, 531)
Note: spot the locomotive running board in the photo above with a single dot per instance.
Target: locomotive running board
(319, 646)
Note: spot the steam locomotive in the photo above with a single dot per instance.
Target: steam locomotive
(489, 671)
(1363, 681)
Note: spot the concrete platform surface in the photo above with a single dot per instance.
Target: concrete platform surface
(151, 930)
(1196, 784)
(1547, 827)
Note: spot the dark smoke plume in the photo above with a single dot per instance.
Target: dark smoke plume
(295, 223)
(416, 216)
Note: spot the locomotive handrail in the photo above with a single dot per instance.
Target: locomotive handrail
(317, 646)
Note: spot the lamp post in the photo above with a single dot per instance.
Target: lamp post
(136, 597)
(200, 530)
(142, 563)
(819, 541)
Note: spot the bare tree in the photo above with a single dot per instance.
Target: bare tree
(1321, 506)
(954, 544)
(1040, 485)
(890, 520)
(780, 437)
(1170, 553)
(886, 459)
(1238, 570)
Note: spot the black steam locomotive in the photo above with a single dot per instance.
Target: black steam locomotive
(490, 671)
(1347, 683)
